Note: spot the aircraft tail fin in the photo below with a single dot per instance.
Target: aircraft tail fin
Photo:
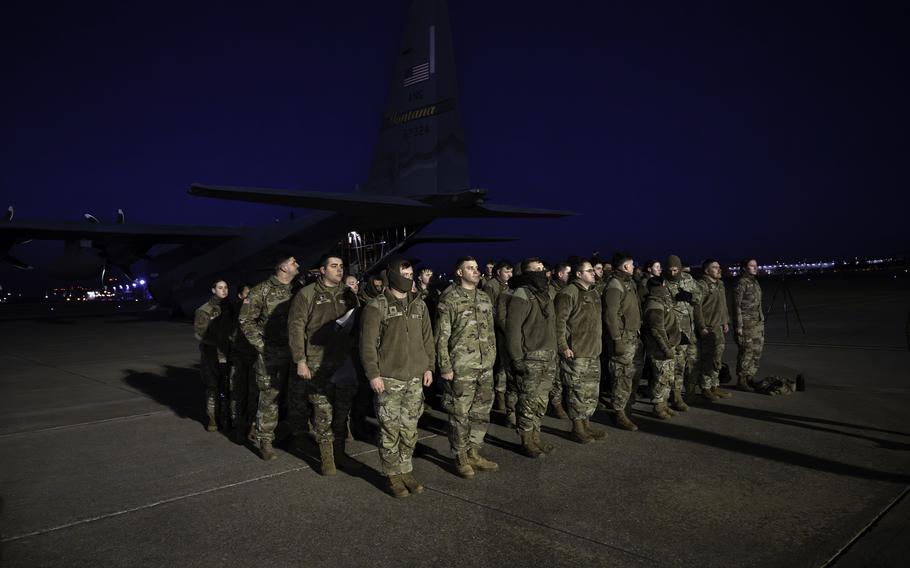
(420, 149)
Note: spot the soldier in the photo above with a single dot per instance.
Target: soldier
(495, 288)
(684, 292)
(557, 281)
(398, 355)
(661, 342)
(560, 278)
(531, 339)
(579, 343)
(264, 322)
(490, 273)
(466, 351)
(428, 291)
(242, 380)
(600, 283)
(652, 268)
(750, 324)
(213, 325)
(622, 318)
(712, 322)
(319, 346)
(372, 287)
(351, 282)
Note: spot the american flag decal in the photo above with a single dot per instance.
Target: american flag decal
(416, 74)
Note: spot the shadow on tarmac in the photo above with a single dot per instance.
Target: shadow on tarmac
(687, 434)
(179, 388)
(801, 422)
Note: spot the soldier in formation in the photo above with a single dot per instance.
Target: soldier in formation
(264, 322)
(466, 352)
(579, 343)
(319, 348)
(750, 324)
(398, 353)
(213, 324)
(531, 342)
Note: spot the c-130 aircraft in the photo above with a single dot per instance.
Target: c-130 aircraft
(419, 173)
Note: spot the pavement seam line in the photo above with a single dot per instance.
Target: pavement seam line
(172, 499)
(81, 376)
(843, 550)
(89, 423)
(543, 525)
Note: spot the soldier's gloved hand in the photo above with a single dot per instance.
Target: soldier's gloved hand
(739, 331)
(619, 348)
(683, 296)
(519, 368)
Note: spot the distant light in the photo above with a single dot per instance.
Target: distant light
(134, 284)
(142, 282)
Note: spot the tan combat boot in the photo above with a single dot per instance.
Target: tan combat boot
(580, 433)
(411, 483)
(500, 402)
(528, 447)
(708, 394)
(743, 384)
(544, 447)
(558, 410)
(463, 465)
(396, 487)
(660, 411)
(213, 425)
(480, 463)
(267, 452)
(326, 459)
(677, 402)
(623, 422)
(595, 433)
(721, 393)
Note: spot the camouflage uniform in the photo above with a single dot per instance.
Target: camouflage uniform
(213, 324)
(396, 343)
(750, 319)
(264, 322)
(622, 318)
(661, 341)
(244, 392)
(511, 387)
(466, 346)
(558, 390)
(711, 314)
(494, 288)
(531, 338)
(579, 328)
(686, 357)
(317, 340)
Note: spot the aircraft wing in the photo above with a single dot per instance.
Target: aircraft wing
(110, 232)
(437, 239)
(498, 210)
(321, 200)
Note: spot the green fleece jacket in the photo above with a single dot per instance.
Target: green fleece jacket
(578, 320)
(663, 329)
(530, 323)
(313, 335)
(396, 338)
(622, 308)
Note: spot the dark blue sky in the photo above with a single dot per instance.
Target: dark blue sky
(776, 129)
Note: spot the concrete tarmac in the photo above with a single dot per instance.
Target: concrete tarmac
(104, 461)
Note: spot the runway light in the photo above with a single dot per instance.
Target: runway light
(142, 282)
